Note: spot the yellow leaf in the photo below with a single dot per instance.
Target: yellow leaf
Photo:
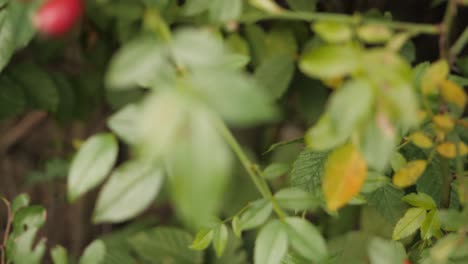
(422, 116)
(345, 173)
(333, 83)
(420, 139)
(443, 122)
(410, 173)
(434, 75)
(448, 149)
(453, 93)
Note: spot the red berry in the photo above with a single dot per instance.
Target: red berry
(406, 261)
(57, 17)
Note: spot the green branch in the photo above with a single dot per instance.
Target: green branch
(251, 168)
(342, 18)
(459, 44)
(446, 28)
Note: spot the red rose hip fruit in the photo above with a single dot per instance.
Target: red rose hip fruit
(57, 17)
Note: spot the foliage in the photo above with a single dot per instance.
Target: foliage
(383, 156)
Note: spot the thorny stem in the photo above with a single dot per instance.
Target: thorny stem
(355, 19)
(7, 228)
(251, 168)
(446, 27)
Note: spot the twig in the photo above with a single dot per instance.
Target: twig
(445, 29)
(7, 228)
(342, 18)
(459, 44)
(13, 135)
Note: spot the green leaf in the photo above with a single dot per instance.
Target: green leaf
(225, 10)
(330, 61)
(94, 253)
(220, 239)
(374, 181)
(124, 124)
(202, 239)
(324, 135)
(420, 200)
(387, 201)
(256, 215)
(26, 224)
(199, 167)
(276, 170)
(16, 30)
(452, 220)
(38, 86)
(280, 40)
(165, 244)
(195, 7)
(138, 62)
(59, 255)
(271, 244)
(296, 199)
(431, 180)
(307, 172)
(130, 190)
(351, 247)
(386, 252)
(409, 223)
(91, 164)
(67, 98)
(233, 254)
(223, 91)
(275, 73)
(397, 161)
(378, 143)
(20, 201)
(351, 105)
(305, 239)
(12, 99)
(431, 225)
(303, 5)
(333, 32)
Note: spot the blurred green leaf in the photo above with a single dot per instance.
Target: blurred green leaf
(330, 61)
(59, 255)
(420, 200)
(386, 252)
(234, 252)
(202, 239)
(271, 244)
(296, 199)
(20, 201)
(431, 225)
(124, 123)
(387, 201)
(165, 244)
(220, 239)
(129, 190)
(307, 172)
(12, 98)
(94, 253)
(324, 135)
(333, 32)
(255, 215)
(276, 170)
(302, 5)
(225, 10)
(275, 73)
(91, 164)
(409, 223)
(305, 239)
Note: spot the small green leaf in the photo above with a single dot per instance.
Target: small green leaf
(330, 61)
(387, 201)
(225, 10)
(94, 253)
(431, 226)
(91, 164)
(306, 239)
(256, 215)
(121, 197)
(124, 123)
(397, 161)
(374, 33)
(452, 220)
(275, 74)
(296, 199)
(202, 239)
(271, 244)
(374, 181)
(220, 239)
(409, 223)
(236, 228)
(275, 170)
(59, 255)
(138, 62)
(333, 32)
(19, 202)
(420, 200)
(386, 252)
(324, 135)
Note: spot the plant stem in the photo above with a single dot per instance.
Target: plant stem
(7, 228)
(342, 18)
(250, 167)
(459, 44)
(446, 27)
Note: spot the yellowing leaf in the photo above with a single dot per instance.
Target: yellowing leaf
(345, 173)
(443, 122)
(333, 83)
(433, 76)
(449, 150)
(453, 93)
(374, 33)
(420, 139)
(410, 173)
